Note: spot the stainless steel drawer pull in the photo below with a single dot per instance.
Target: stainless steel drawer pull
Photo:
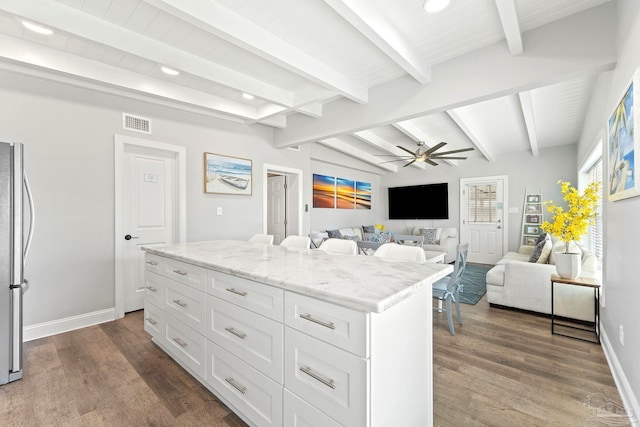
(235, 332)
(310, 318)
(180, 272)
(180, 303)
(152, 321)
(180, 342)
(151, 288)
(235, 385)
(237, 292)
(328, 382)
(152, 263)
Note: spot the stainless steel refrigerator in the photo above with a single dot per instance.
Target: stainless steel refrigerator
(13, 251)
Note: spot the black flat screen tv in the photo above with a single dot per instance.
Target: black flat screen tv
(429, 201)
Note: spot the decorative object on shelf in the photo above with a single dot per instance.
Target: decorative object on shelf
(622, 141)
(571, 224)
(226, 175)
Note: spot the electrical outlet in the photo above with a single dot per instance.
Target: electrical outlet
(219, 211)
(621, 335)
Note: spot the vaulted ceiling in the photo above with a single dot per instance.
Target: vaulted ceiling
(359, 76)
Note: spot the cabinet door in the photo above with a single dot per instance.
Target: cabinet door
(339, 326)
(186, 304)
(153, 263)
(298, 413)
(254, 395)
(330, 379)
(154, 288)
(153, 321)
(249, 336)
(260, 298)
(188, 274)
(186, 345)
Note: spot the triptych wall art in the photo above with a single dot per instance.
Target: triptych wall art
(332, 192)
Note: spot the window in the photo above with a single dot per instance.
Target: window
(594, 174)
(482, 203)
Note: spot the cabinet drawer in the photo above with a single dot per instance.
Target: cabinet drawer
(186, 304)
(249, 336)
(154, 288)
(298, 413)
(342, 327)
(186, 273)
(254, 296)
(186, 345)
(153, 263)
(327, 377)
(253, 394)
(153, 321)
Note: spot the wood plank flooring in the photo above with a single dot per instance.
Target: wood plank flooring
(503, 368)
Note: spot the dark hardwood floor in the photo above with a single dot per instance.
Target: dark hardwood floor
(503, 368)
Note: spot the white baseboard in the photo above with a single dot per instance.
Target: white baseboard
(629, 399)
(67, 324)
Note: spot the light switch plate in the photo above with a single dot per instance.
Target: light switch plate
(219, 211)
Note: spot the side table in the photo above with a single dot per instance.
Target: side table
(580, 281)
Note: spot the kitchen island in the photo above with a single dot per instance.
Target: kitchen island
(292, 337)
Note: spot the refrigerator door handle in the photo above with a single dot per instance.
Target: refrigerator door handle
(17, 178)
(32, 217)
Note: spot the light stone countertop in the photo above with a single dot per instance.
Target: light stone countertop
(363, 283)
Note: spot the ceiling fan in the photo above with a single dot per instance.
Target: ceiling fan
(426, 155)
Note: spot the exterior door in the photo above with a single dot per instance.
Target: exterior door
(482, 218)
(277, 207)
(149, 217)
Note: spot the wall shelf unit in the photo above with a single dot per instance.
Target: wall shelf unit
(532, 218)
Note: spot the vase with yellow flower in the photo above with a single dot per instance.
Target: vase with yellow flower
(571, 223)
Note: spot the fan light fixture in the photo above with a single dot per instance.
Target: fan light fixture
(247, 96)
(36, 28)
(169, 71)
(433, 6)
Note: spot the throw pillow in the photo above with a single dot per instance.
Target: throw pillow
(537, 251)
(368, 228)
(334, 234)
(541, 237)
(429, 235)
(546, 251)
(438, 233)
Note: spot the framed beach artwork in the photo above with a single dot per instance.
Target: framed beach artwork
(226, 174)
(345, 193)
(324, 191)
(363, 195)
(622, 144)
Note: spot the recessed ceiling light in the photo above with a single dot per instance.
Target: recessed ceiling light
(36, 28)
(248, 96)
(169, 71)
(433, 6)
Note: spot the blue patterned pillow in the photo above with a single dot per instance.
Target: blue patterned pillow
(429, 235)
(368, 228)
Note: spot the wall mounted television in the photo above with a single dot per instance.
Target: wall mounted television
(429, 201)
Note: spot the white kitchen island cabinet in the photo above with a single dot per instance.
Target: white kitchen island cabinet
(297, 338)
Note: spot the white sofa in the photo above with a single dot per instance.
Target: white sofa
(446, 240)
(515, 282)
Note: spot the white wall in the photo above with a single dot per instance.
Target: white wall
(622, 230)
(524, 172)
(68, 134)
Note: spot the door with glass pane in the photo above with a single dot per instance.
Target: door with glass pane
(482, 219)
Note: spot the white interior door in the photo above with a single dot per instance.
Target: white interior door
(277, 207)
(482, 218)
(149, 217)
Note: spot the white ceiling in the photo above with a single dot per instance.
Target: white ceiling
(360, 76)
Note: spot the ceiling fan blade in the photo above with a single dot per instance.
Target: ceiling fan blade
(396, 160)
(393, 155)
(434, 148)
(452, 152)
(411, 162)
(449, 158)
(431, 162)
(408, 151)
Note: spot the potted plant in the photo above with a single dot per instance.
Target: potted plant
(571, 224)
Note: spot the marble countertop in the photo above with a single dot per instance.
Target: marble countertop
(363, 283)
